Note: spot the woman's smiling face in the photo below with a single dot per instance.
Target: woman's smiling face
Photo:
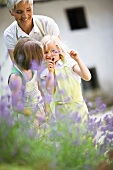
(23, 13)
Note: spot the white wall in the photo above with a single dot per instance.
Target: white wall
(94, 44)
(5, 61)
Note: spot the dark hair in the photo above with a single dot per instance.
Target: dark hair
(26, 51)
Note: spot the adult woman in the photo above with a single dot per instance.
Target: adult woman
(26, 24)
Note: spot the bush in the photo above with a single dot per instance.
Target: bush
(68, 145)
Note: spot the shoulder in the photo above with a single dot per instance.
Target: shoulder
(10, 36)
(11, 28)
(15, 75)
(49, 25)
(43, 18)
(16, 71)
(70, 61)
(15, 82)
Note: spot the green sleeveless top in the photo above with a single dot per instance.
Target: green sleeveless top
(15, 71)
(32, 98)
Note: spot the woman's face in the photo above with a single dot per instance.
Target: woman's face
(51, 51)
(23, 13)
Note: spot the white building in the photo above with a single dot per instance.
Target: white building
(94, 43)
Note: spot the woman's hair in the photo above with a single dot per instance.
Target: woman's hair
(11, 3)
(54, 39)
(27, 51)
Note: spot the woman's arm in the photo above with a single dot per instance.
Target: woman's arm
(80, 68)
(11, 55)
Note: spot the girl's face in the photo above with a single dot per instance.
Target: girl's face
(51, 51)
(23, 13)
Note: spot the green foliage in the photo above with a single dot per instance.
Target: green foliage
(67, 146)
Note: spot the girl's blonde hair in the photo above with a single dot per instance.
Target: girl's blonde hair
(12, 3)
(54, 39)
(26, 51)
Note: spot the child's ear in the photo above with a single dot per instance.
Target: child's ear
(61, 53)
(62, 57)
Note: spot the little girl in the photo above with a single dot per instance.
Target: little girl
(63, 77)
(26, 94)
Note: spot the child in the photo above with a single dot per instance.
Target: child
(63, 77)
(26, 95)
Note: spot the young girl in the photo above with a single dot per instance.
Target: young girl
(26, 95)
(63, 77)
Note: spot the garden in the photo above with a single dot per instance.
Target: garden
(69, 144)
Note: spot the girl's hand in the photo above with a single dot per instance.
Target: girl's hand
(73, 54)
(51, 65)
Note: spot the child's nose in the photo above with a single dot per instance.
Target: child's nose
(49, 54)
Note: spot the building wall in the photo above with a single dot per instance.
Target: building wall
(94, 44)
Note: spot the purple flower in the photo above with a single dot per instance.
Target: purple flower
(89, 104)
(74, 116)
(109, 136)
(98, 102)
(103, 107)
(104, 129)
(40, 118)
(4, 110)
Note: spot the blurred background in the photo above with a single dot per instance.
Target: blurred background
(85, 25)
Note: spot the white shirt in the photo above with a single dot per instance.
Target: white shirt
(69, 62)
(14, 32)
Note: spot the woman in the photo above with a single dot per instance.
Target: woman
(26, 24)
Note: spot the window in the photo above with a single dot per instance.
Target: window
(93, 83)
(76, 18)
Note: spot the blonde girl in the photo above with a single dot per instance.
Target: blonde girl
(63, 77)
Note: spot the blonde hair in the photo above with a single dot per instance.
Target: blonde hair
(11, 3)
(26, 51)
(54, 39)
